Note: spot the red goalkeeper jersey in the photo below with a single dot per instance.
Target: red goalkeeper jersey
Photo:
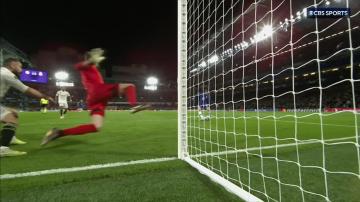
(90, 75)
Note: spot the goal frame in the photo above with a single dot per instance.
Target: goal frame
(183, 153)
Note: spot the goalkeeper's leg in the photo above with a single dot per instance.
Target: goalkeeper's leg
(129, 90)
(97, 122)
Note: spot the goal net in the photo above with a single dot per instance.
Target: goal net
(269, 98)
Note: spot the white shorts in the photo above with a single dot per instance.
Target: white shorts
(63, 105)
(3, 112)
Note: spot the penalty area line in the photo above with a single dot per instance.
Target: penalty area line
(84, 168)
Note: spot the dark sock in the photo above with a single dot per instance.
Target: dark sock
(7, 133)
(65, 110)
(61, 112)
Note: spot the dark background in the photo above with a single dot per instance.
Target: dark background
(131, 32)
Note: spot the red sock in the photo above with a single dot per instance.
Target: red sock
(79, 130)
(130, 92)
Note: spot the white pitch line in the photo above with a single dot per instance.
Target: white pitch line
(91, 167)
(311, 123)
(119, 164)
(304, 142)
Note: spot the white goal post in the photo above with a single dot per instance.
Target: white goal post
(182, 109)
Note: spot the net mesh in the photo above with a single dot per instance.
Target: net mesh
(284, 97)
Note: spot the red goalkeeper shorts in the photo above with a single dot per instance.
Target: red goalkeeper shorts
(99, 95)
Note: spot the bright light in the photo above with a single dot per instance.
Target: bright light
(150, 87)
(292, 19)
(304, 12)
(244, 44)
(327, 3)
(267, 30)
(264, 33)
(213, 59)
(193, 70)
(62, 83)
(202, 64)
(228, 52)
(61, 75)
(152, 81)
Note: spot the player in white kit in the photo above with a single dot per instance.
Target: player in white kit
(62, 99)
(8, 116)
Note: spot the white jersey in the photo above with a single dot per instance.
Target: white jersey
(7, 80)
(62, 96)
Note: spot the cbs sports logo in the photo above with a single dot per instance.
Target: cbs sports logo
(327, 12)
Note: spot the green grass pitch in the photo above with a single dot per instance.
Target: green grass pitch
(151, 135)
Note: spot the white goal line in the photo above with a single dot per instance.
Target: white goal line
(84, 168)
(157, 160)
(303, 142)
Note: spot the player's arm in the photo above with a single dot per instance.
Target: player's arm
(35, 93)
(82, 65)
(17, 84)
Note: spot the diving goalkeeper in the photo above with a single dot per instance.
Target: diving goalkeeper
(98, 94)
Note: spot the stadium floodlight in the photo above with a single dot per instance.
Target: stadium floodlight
(150, 87)
(193, 70)
(213, 59)
(61, 75)
(266, 32)
(202, 64)
(64, 84)
(252, 40)
(304, 11)
(327, 3)
(152, 81)
(244, 44)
